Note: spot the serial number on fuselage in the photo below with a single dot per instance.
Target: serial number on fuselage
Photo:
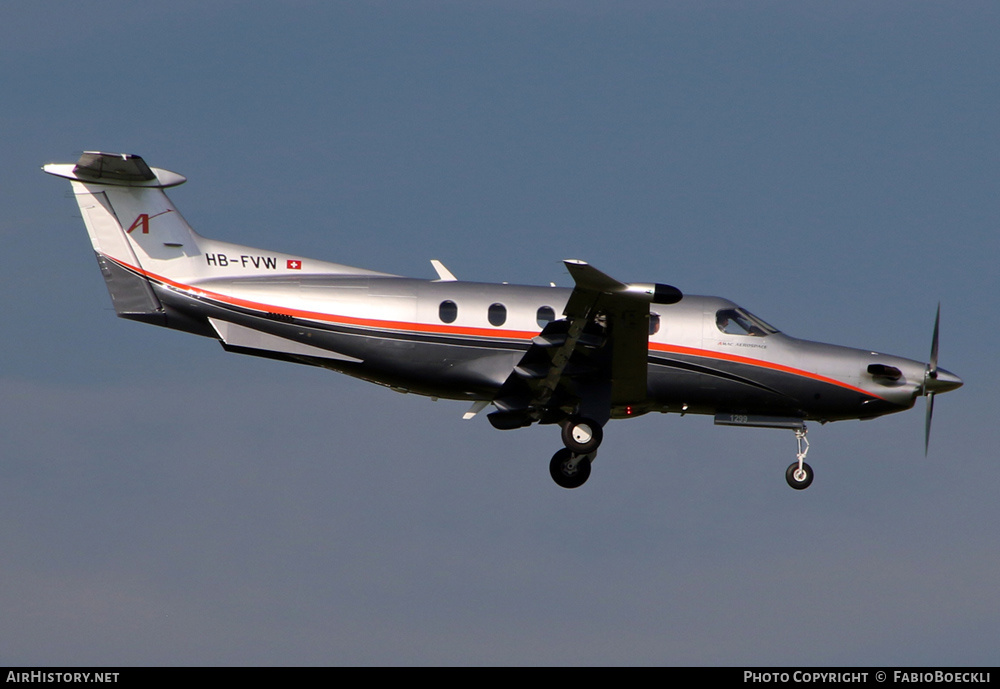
(250, 261)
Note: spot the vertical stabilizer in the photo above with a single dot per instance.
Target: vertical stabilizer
(128, 216)
(133, 226)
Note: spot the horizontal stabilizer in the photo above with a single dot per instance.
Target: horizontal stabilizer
(121, 167)
(115, 169)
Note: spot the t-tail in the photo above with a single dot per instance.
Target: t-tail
(142, 241)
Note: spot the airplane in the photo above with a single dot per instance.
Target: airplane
(575, 358)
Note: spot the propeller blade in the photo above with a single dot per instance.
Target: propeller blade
(932, 366)
(931, 376)
(927, 422)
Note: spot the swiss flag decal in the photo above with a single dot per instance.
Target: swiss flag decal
(292, 264)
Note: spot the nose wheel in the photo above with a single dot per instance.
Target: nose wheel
(799, 475)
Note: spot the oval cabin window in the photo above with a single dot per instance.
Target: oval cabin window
(497, 314)
(545, 315)
(448, 311)
(654, 323)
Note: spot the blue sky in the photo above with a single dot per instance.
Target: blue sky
(831, 166)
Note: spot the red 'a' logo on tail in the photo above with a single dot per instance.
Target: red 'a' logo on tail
(143, 221)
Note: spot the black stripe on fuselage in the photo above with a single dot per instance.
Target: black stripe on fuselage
(701, 369)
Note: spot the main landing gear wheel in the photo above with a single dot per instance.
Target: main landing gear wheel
(797, 478)
(568, 469)
(581, 435)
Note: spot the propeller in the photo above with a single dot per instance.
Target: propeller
(930, 375)
(936, 380)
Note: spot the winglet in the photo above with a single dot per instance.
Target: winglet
(590, 278)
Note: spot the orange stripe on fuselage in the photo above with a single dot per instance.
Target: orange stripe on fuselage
(521, 335)
(493, 333)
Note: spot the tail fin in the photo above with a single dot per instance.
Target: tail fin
(128, 216)
(134, 228)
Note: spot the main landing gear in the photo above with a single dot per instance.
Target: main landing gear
(570, 466)
(570, 470)
(582, 435)
(799, 475)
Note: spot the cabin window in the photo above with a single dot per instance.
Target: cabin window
(497, 314)
(654, 323)
(448, 311)
(741, 322)
(545, 315)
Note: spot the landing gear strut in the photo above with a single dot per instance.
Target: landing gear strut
(799, 474)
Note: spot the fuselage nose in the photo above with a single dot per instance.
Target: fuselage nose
(942, 381)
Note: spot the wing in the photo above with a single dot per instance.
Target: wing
(592, 362)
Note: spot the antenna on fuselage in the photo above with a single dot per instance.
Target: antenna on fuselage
(444, 275)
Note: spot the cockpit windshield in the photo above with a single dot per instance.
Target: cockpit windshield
(742, 322)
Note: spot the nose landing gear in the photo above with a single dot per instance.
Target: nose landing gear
(799, 475)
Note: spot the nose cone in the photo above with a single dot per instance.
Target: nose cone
(942, 381)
